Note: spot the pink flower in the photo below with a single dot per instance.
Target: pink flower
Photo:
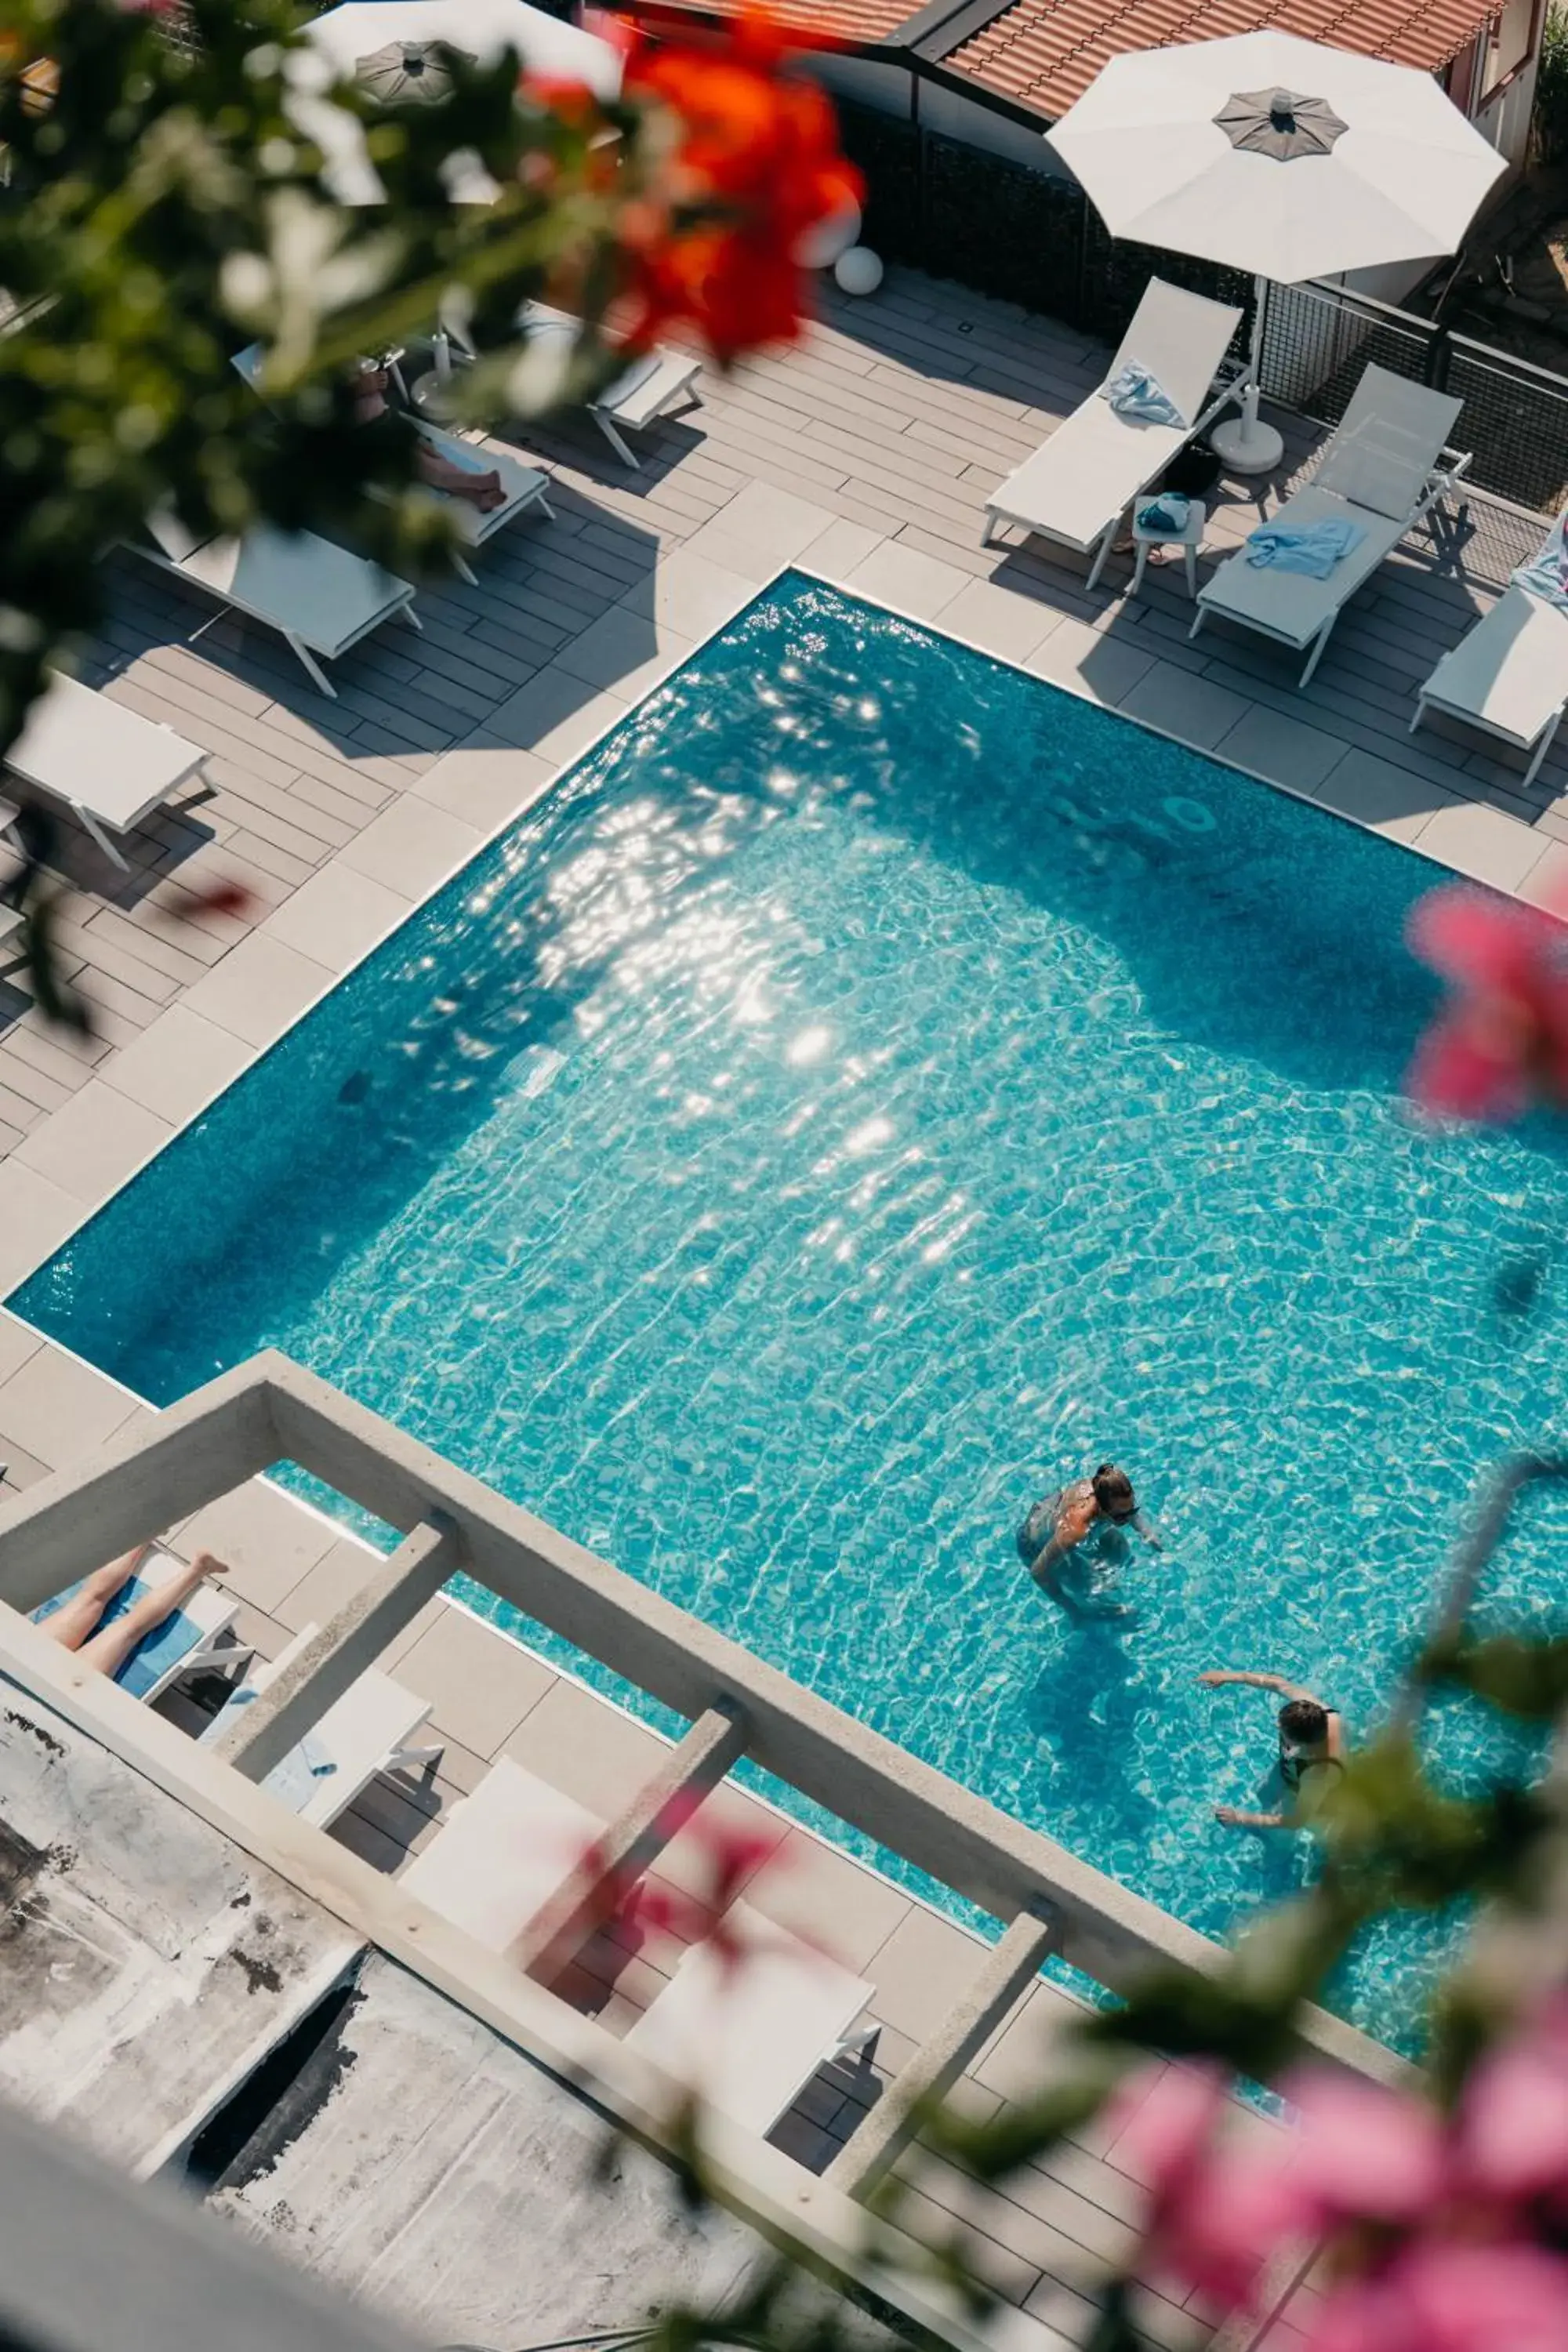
(1362, 2152)
(1450, 2298)
(1513, 2126)
(1215, 2213)
(1503, 1041)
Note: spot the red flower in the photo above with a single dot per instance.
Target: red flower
(728, 1860)
(1501, 1043)
(756, 167)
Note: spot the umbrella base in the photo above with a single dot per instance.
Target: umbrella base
(1246, 445)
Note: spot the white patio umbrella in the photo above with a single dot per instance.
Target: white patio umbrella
(370, 40)
(1280, 157)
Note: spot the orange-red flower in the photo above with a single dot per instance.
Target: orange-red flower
(756, 168)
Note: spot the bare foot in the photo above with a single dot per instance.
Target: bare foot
(207, 1563)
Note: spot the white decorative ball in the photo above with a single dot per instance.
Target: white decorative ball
(858, 272)
(821, 247)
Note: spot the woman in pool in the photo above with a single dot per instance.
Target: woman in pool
(1311, 1752)
(1091, 1512)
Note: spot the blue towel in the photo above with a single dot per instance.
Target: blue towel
(1546, 573)
(1167, 514)
(1313, 547)
(1135, 392)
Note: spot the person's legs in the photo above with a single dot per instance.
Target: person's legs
(72, 1624)
(107, 1652)
(484, 490)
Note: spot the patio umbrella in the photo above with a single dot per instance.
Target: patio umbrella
(1280, 157)
(367, 39)
(406, 72)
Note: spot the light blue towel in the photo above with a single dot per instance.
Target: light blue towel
(1546, 573)
(1135, 392)
(1313, 547)
(1168, 514)
(155, 1654)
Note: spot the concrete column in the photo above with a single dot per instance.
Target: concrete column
(262, 1734)
(715, 1741)
(1010, 1969)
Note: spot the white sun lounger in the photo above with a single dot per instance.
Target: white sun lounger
(1078, 485)
(192, 1641)
(501, 1854)
(1385, 468)
(749, 2040)
(525, 487)
(653, 386)
(370, 1729)
(109, 766)
(321, 598)
(1508, 676)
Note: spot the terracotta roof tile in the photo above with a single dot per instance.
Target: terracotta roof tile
(1047, 52)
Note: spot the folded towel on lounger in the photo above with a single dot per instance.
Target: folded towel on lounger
(1134, 392)
(1546, 573)
(1313, 547)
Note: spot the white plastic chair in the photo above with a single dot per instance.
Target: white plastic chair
(109, 765)
(501, 1854)
(370, 1729)
(1078, 485)
(1508, 676)
(653, 386)
(1385, 468)
(191, 1640)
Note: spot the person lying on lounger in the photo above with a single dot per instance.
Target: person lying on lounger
(105, 1648)
(372, 407)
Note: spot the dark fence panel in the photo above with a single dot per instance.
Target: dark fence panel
(939, 204)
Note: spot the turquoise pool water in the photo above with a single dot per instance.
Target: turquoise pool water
(872, 1087)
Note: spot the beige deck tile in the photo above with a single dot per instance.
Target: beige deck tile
(412, 845)
(836, 551)
(62, 1411)
(555, 716)
(484, 783)
(34, 1218)
(18, 1342)
(1104, 665)
(1186, 705)
(1286, 751)
(1006, 621)
(336, 916)
(924, 1967)
(689, 595)
(258, 989)
(911, 583)
(1389, 800)
(822, 1893)
(628, 652)
(91, 1144)
(1546, 884)
(592, 1751)
(178, 1065)
(481, 1687)
(267, 1541)
(776, 523)
(1481, 841)
(328, 1585)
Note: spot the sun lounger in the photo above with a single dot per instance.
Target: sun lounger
(1509, 676)
(749, 2040)
(321, 598)
(653, 386)
(109, 766)
(1078, 485)
(525, 487)
(501, 1854)
(1385, 468)
(190, 1641)
(370, 1729)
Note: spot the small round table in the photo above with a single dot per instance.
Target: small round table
(1189, 539)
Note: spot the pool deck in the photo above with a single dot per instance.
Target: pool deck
(867, 454)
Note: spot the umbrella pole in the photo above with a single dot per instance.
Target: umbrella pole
(1245, 445)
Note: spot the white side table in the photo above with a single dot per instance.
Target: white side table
(1188, 540)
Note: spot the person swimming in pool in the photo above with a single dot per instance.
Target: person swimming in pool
(1311, 1752)
(1087, 1517)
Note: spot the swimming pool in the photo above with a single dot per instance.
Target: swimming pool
(872, 1086)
